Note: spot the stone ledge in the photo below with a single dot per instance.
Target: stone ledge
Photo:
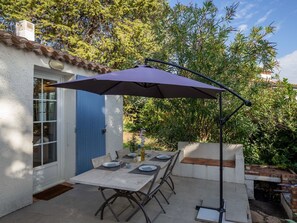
(208, 162)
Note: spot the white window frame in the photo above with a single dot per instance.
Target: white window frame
(47, 74)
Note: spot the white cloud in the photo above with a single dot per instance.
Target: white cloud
(264, 18)
(242, 27)
(244, 13)
(288, 67)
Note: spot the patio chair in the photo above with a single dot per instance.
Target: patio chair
(167, 178)
(150, 190)
(98, 161)
(121, 153)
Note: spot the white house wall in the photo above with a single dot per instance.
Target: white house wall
(114, 123)
(16, 90)
(16, 124)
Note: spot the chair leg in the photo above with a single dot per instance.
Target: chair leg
(141, 207)
(164, 196)
(131, 203)
(102, 207)
(138, 196)
(108, 204)
(172, 184)
(159, 204)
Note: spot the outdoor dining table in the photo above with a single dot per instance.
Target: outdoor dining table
(122, 180)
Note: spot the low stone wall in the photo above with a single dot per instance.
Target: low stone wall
(200, 160)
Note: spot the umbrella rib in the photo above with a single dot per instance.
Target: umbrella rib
(111, 87)
(153, 85)
(204, 92)
(145, 85)
(160, 91)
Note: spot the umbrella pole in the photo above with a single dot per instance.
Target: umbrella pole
(221, 209)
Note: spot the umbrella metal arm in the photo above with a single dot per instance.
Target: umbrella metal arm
(222, 121)
(246, 102)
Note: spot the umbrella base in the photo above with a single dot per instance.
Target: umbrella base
(210, 214)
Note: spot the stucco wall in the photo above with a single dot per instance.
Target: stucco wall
(114, 124)
(16, 124)
(16, 120)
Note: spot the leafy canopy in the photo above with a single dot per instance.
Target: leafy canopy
(200, 39)
(115, 33)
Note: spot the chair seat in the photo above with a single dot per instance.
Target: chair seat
(146, 188)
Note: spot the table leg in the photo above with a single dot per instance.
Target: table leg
(140, 206)
(109, 206)
(106, 202)
(127, 195)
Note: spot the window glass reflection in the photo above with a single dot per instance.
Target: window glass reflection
(49, 153)
(37, 109)
(36, 156)
(37, 88)
(37, 133)
(49, 132)
(48, 91)
(50, 110)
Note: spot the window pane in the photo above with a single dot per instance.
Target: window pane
(45, 132)
(49, 92)
(37, 88)
(37, 133)
(50, 109)
(36, 156)
(37, 110)
(49, 153)
(49, 131)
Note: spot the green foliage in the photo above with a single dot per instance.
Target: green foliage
(115, 33)
(197, 38)
(275, 139)
(132, 119)
(133, 143)
(201, 40)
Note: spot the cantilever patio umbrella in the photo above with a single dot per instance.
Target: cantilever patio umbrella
(151, 82)
(144, 81)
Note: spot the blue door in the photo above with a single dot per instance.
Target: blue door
(90, 125)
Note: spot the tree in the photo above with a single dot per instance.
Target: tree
(197, 38)
(115, 33)
(275, 116)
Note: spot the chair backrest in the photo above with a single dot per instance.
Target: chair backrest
(153, 181)
(165, 171)
(158, 179)
(174, 159)
(98, 161)
(122, 152)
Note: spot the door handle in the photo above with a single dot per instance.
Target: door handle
(103, 131)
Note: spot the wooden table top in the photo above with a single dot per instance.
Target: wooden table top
(120, 179)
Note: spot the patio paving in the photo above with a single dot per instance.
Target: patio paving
(79, 205)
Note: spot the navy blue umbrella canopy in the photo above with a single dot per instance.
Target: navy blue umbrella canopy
(144, 81)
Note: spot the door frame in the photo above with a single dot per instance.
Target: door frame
(44, 73)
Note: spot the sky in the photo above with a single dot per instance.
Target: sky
(283, 15)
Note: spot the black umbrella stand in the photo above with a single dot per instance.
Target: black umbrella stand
(222, 121)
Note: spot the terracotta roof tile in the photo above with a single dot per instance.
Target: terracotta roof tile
(39, 49)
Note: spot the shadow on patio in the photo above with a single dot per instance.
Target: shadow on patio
(79, 204)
